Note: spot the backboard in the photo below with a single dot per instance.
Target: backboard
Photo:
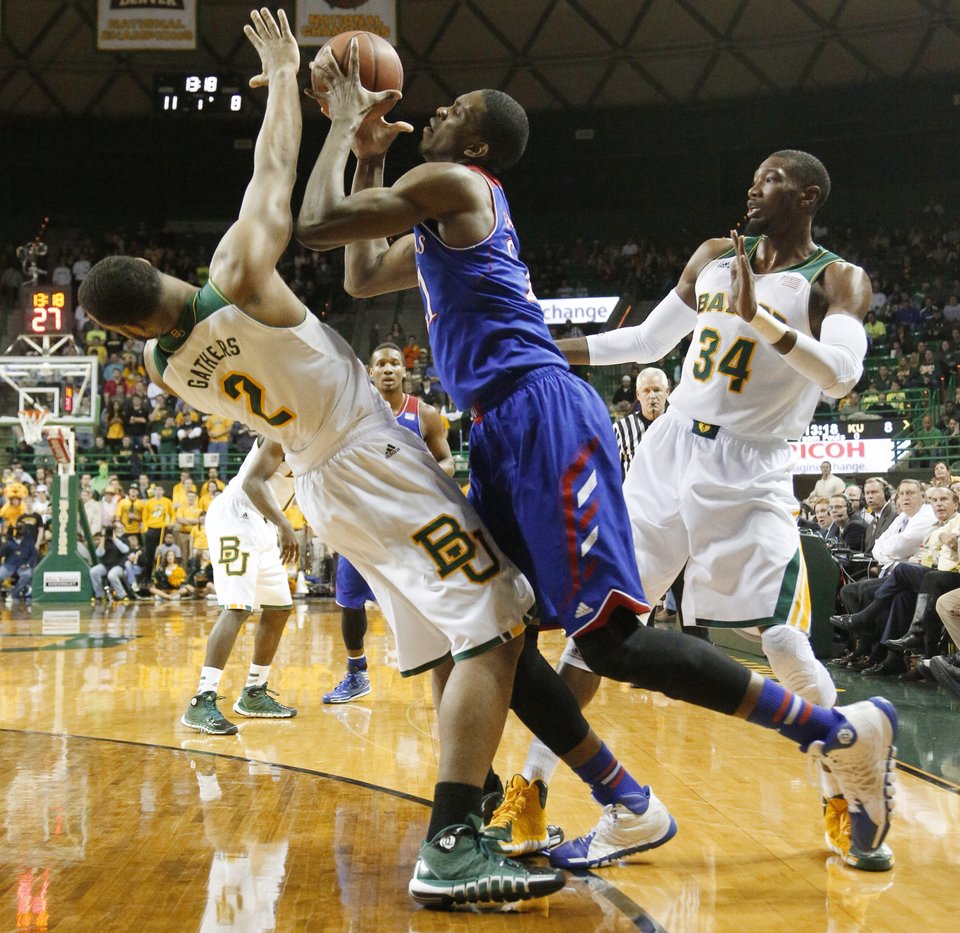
(67, 386)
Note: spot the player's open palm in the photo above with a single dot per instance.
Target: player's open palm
(274, 43)
(374, 137)
(743, 299)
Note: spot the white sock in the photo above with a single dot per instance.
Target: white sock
(258, 675)
(540, 763)
(209, 679)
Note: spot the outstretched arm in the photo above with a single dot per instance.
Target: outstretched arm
(666, 325)
(264, 464)
(247, 256)
(435, 438)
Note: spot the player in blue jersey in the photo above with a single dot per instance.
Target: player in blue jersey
(387, 371)
(544, 468)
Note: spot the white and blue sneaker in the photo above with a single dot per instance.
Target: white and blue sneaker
(355, 685)
(634, 824)
(860, 753)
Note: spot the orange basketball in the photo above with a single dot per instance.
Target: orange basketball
(380, 67)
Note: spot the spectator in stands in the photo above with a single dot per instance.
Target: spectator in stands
(411, 352)
(192, 434)
(942, 475)
(136, 420)
(828, 485)
(214, 477)
(31, 522)
(111, 551)
(168, 579)
(625, 397)
(164, 442)
(168, 544)
(946, 669)
(888, 615)
(876, 329)
(854, 495)
(200, 576)
(211, 489)
(430, 393)
(186, 518)
(198, 536)
(130, 511)
(91, 508)
(218, 434)
(900, 541)
(822, 516)
(180, 490)
(127, 459)
(10, 512)
(845, 529)
(157, 516)
(113, 422)
(18, 557)
(951, 310)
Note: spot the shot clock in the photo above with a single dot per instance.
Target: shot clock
(47, 310)
(198, 92)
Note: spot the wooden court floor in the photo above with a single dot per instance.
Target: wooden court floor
(113, 816)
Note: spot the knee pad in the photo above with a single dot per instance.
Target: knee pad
(796, 667)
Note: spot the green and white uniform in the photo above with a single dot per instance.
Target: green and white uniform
(244, 548)
(368, 488)
(711, 485)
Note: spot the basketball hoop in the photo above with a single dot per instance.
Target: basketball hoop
(32, 420)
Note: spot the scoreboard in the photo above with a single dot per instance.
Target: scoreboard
(860, 445)
(47, 310)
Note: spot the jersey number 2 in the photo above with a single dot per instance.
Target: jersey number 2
(735, 363)
(237, 384)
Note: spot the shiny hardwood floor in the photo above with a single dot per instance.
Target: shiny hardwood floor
(113, 816)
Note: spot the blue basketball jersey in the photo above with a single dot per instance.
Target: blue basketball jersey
(485, 324)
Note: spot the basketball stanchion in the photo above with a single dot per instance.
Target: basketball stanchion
(62, 576)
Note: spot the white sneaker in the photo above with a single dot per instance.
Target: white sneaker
(860, 753)
(638, 823)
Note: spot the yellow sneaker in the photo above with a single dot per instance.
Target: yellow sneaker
(519, 825)
(836, 822)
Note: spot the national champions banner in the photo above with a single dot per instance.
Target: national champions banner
(125, 25)
(318, 21)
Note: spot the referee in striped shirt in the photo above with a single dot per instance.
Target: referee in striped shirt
(653, 387)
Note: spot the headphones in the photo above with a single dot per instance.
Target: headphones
(884, 485)
(848, 503)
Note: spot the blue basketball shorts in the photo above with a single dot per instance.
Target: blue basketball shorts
(352, 589)
(545, 477)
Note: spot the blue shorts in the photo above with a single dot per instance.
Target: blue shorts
(352, 589)
(545, 477)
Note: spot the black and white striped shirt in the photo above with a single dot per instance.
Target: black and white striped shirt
(629, 431)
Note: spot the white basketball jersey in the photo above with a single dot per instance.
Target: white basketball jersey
(280, 484)
(734, 379)
(301, 386)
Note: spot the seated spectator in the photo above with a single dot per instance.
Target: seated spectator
(429, 393)
(854, 496)
(168, 544)
(945, 669)
(111, 552)
(846, 530)
(411, 352)
(200, 576)
(169, 578)
(822, 517)
(625, 397)
(886, 618)
(942, 475)
(876, 329)
(18, 557)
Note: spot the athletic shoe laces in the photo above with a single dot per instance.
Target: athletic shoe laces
(510, 809)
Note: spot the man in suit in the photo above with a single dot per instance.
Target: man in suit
(880, 510)
(846, 529)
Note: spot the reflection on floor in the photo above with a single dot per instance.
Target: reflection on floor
(116, 817)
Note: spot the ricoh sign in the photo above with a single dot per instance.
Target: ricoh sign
(578, 310)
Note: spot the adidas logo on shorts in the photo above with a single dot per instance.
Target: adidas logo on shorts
(390, 451)
(583, 610)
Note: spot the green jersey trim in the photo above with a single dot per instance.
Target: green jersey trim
(810, 268)
(204, 302)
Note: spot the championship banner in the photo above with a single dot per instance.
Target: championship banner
(318, 21)
(125, 25)
(578, 310)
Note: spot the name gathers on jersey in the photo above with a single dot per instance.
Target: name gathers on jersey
(719, 303)
(204, 366)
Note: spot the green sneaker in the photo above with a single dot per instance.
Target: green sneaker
(258, 702)
(456, 867)
(202, 715)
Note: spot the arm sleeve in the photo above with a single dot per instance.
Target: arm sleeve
(666, 325)
(835, 361)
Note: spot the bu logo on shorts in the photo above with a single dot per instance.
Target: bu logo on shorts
(451, 548)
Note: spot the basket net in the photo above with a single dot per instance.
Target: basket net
(32, 420)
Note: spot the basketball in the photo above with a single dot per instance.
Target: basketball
(380, 67)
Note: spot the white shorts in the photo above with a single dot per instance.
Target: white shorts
(724, 507)
(245, 553)
(445, 588)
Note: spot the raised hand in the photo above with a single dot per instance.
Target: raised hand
(743, 299)
(344, 96)
(274, 43)
(374, 137)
